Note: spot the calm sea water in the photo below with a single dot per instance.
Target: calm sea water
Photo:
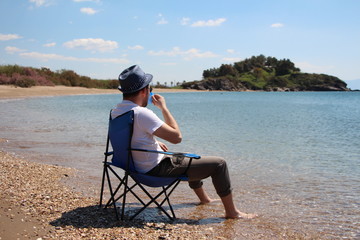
(294, 158)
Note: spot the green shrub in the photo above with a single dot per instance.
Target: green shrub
(25, 82)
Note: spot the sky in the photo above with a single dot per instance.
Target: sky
(176, 41)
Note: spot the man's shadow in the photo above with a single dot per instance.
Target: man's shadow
(97, 217)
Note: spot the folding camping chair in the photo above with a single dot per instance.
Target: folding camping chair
(119, 135)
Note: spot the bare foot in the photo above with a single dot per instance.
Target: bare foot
(242, 215)
(207, 201)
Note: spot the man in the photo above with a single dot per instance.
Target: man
(135, 86)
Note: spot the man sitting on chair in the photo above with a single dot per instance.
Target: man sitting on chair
(135, 86)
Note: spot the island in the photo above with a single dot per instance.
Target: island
(260, 73)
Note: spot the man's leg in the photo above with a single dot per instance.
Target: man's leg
(213, 167)
(217, 169)
(202, 195)
(231, 211)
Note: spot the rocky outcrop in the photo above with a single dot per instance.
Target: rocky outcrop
(217, 84)
(309, 89)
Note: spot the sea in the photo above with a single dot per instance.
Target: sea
(293, 157)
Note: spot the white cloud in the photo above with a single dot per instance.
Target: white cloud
(40, 3)
(47, 57)
(92, 44)
(97, 1)
(53, 44)
(232, 59)
(277, 25)
(162, 20)
(89, 11)
(12, 50)
(185, 21)
(7, 37)
(136, 47)
(209, 23)
(187, 55)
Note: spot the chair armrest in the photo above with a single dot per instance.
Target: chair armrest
(188, 155)
(108, 153)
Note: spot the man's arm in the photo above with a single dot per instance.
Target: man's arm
(170, 130)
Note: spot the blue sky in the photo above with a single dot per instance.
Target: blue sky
(177, 40)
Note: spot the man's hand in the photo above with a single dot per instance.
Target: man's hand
(159, 101)
(170, 130)
(163, 146)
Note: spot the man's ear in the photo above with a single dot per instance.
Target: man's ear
(143, 91)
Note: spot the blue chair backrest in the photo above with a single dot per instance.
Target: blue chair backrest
(120, 133)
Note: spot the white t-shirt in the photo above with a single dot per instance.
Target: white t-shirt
(146, 122)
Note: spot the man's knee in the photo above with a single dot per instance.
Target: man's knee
(195, 184)
(222, 163)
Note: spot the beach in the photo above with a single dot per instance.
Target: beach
(46, 194)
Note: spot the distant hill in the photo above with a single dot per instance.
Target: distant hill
(262, 73)
(28, 77)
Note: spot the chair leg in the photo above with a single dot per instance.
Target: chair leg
(167, 196)
(124, 195)
(129, 189)
(153, 200)
(171, 191)
(117, 188)
(168, 201)
(112, 194)
(123, 182)
(102, 186)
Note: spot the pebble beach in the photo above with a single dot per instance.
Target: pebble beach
(36, 204)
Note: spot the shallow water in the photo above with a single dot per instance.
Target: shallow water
(293, 157)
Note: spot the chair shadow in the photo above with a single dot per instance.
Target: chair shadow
(97, 217)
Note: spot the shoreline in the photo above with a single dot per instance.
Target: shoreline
(12, 92)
